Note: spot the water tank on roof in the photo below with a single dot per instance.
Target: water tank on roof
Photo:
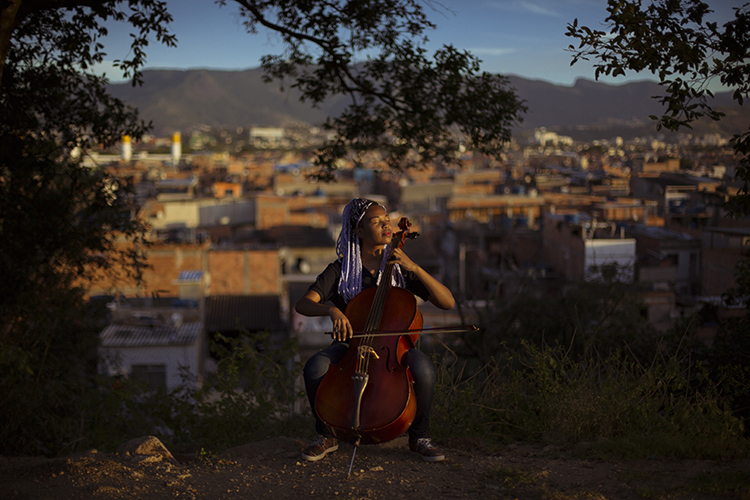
(303, 266)
(177, 319)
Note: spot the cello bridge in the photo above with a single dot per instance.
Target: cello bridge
(365, 350)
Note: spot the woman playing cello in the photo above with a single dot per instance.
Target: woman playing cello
(363, 250)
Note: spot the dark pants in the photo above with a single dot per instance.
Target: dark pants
(420, 365)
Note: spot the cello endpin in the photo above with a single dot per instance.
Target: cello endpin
(354, 452)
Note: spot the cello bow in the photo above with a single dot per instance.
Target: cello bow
(439, 329)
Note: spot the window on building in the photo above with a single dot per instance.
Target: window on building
(694, 266)
(674, 259)
(153, 375)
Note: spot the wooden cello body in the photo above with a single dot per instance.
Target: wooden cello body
(368, 397)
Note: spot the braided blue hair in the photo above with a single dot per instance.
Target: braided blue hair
(348, 251)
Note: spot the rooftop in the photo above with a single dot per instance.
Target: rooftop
(150, 335)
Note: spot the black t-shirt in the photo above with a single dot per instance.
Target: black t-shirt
(327, 283)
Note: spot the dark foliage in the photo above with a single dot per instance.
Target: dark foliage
(60, 222)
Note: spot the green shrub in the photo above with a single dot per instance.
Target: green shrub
(672, 407)
(251, 396)
(611, 401)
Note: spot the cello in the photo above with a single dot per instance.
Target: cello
(368, 396)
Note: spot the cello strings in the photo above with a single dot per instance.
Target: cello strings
(376, 312)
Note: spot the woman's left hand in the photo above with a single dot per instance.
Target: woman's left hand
(398, 256)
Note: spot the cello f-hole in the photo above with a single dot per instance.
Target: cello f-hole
(388, 358)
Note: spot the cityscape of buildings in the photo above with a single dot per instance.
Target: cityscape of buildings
(238, 234)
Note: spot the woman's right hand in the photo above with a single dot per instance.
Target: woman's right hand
(342, 328)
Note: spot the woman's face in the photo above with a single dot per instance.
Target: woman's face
(375, 227)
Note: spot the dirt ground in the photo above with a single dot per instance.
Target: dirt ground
(271, 469)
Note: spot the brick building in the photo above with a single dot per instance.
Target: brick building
(578, 247)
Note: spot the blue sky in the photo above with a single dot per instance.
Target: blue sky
(511, 37)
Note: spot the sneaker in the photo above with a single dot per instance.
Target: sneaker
(319, 448)
(424, 447)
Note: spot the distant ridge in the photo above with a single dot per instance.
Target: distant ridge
(186, 99)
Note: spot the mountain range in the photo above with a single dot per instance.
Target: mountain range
(183, 100)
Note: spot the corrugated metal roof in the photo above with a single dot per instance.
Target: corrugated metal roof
(243, 312)
(189, 276)
(661, 232)
(150, 335)
(737, 231)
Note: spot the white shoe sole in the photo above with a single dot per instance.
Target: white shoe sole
(315, 458)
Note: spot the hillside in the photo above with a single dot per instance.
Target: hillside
(183, 100)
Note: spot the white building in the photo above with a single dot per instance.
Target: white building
(542, 136)
(187, 215)
(270, 134)
(579, 247)
(157, 354)
(601, 253)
